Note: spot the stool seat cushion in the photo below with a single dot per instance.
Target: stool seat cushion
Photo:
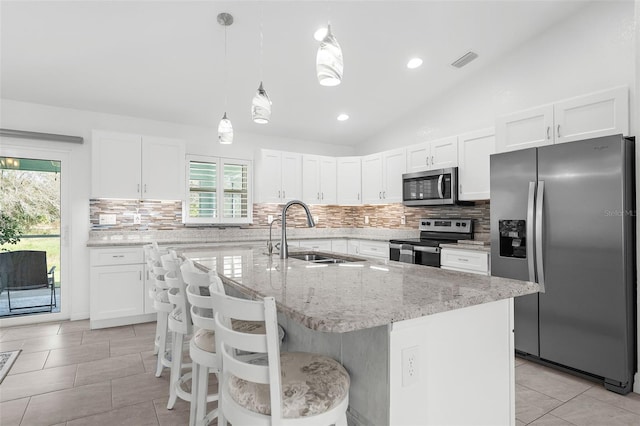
(206, 340)
(311, 384)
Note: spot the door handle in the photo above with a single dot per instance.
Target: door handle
(279, 194)
(530, 217)
(440, 194)
(427, 160)
(548, 132)
(558, 131)
(380, 195)
(539, 233)
(432, 162)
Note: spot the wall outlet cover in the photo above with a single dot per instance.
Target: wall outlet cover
(410, 371)
(107, 219)
(137, 218)
(366, 220)
(269, 219)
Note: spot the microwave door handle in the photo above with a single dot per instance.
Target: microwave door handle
(440, 194)
(539, 234)
(530, 218)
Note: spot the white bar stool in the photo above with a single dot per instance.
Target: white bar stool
(288, 388)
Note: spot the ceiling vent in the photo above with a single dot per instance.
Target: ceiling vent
(464, 59)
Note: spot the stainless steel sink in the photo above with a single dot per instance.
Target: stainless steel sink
(316, 257)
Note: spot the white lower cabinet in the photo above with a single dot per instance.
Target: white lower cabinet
(316, 244)
(378, 249)
(353, 246)
(117, 287)
(474, 261)
(339, 245)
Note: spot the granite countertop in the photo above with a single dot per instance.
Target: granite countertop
(352, 296)
(468, 246)
(237, 235)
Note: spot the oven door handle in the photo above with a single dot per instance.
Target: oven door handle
(426, 249)
(394, 246)
(440, 192)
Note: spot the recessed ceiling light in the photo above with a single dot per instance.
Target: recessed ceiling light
(320, 33)
(414, 63)
(343, 117)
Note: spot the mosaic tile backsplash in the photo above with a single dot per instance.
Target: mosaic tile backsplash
(167, 215)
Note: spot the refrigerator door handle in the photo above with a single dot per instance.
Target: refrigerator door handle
(530, 219)
(440, 192)
(539, 230)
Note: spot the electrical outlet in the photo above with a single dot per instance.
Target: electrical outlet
(410, 365)
(403, 220)
(107, 219)
(137, 218)
(366, 220)
(269, 219)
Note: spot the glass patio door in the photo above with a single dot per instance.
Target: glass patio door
(32, 250)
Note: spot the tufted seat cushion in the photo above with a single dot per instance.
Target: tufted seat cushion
(311, 384)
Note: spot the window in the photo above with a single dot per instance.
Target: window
(219, 190)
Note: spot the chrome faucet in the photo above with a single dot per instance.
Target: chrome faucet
(284, 250)
(269, 243)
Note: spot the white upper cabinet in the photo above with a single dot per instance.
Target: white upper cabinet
(319, 179)
(382, 176)
(474, 150)
(596, 114)
(278, 176)
(139, 167)
(437, 154)
(525, 129)
(163, 175)
(349, 180)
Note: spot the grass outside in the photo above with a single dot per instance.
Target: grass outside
(51, 245)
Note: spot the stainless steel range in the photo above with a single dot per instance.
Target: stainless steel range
(433, 232)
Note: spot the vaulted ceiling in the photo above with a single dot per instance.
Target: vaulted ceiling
(164, 60)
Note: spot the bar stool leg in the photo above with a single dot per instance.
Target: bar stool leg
(195, 373)
(176, 368)
(162, 347)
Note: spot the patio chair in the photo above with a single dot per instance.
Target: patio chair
(27, 270)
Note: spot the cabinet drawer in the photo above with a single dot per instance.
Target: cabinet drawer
(323, 245)
(374, 249)
(465, 260)
(117, 256)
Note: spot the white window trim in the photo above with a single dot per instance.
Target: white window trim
(220, 161)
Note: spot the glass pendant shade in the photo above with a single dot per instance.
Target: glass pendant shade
(225, 131)
(329, 62)
(261, 106)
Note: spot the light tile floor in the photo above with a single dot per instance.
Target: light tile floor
(70, 375)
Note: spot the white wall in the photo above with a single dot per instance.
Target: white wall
(592, 51)
(200, 140)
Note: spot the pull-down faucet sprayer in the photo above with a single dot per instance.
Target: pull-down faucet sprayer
(284, 250)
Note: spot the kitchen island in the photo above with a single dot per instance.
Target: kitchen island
(422, 345)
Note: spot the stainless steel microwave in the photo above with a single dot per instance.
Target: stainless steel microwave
(430, 188)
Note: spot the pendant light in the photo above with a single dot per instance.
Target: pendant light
(261, 104)
(329, 63)
(225, 129)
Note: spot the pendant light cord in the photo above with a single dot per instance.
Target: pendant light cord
(225, 69)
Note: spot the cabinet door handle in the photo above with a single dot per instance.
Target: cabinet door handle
(432, 162)
(317, 195)
(140, 275)
(322, 195)
(558, 131)
(138, 190)
(145, 188)
(427, 160)
(461, 259)
(384, 194)
(380, 195)
(279, 194)
(284, 194)
(548, 132)
(118, 255)
(460, 188)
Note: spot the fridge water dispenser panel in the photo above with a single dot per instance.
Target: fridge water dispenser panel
(513, 238)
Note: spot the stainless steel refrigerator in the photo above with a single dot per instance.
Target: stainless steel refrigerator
(564, 216)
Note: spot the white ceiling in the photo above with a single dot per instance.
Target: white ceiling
(164, 60)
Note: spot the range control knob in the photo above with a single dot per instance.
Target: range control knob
(464, 224)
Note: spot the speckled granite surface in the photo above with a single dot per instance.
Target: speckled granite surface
(352, 296)
(463, 246)
(220, 235)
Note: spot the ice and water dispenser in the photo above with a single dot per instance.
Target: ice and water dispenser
(513, 238)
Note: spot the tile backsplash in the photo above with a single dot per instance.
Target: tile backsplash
(167, 215)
